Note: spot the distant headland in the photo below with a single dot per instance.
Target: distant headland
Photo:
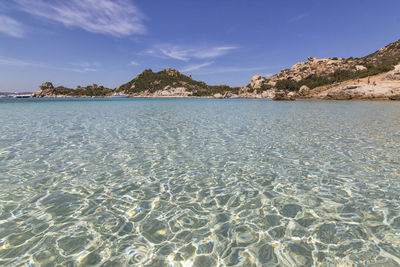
(373, 77)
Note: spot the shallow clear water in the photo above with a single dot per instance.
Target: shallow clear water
(199, 182)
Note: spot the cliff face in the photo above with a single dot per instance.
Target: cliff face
(48, 90)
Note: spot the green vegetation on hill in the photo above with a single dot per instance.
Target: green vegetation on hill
(154, 81)
(381, 61)
(91, 90)
(344, 75)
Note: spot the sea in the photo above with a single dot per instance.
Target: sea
(199, 182)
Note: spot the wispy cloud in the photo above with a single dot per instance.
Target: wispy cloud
(186, 53)
(133, 63)
(196, 67)
(17, 62)
(14, 62)
(85, 64)
(111, 17)
(231, 70)
(78, 70)
(11, 27)
(299, 17)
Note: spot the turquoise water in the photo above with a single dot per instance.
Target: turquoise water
(199, 182)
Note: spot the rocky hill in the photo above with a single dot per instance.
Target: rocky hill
(317, 72)
(48, 90)
(308, 79)
(170, 83)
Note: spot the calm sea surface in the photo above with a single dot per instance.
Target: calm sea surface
(199, 182)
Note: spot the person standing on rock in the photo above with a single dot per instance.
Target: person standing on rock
(368, 80)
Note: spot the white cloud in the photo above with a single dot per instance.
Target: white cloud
(111, 17)
(196, 67)
(187, 53)
(85, 64)
(133, 63)
(231, 70)
(80, 70)
(11, 27)
(16, 62)
(298, 17)
(24, 63)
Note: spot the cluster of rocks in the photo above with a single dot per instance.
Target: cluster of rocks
(168, 91)
(394, 75)
(317, 67)
(362, 92)
(46, 89)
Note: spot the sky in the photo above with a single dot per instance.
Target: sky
(109, 42)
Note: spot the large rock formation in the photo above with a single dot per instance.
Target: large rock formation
(46, 89)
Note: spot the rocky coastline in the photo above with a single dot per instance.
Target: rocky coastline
(374, 77)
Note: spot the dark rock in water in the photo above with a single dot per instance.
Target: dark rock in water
(266, 254)
(204, 261)
(185, 252)
(327, 233)
(277, 232)
(222, 217)
(301, 254)
(245, 236)
(206, 248)
(155, 231)
(390, 249)
(321, 256)
(290, 210)
(72, 245)
(396, 223)
(282, 95)
(111, 264)
(306, 222)
(395, 97)
(90, 259)
(166, 250)
(184, 236)
(273, 220)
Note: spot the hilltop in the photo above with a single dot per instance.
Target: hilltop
(170, 83)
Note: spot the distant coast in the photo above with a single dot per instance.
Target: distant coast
(373, 77)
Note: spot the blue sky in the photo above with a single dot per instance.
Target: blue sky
(109, 42)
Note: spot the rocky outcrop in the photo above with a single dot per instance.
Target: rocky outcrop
(48, 90)
(395, 74)
(168, 91)
(283, 95)
(316, 67)
(362, 92)
(304, 90)
(258, 82)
